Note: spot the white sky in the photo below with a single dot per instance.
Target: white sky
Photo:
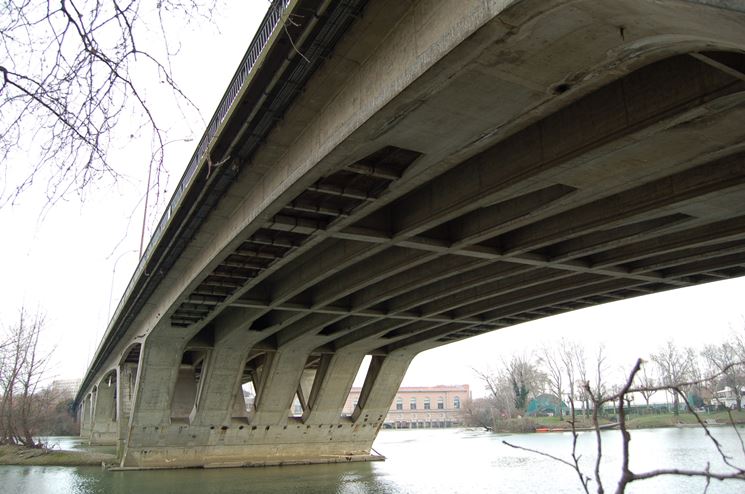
(71, 261)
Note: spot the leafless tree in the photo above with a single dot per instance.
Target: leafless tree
(551, 360)
(579, 366)
(721, 359)
(22, 370)
(479, 412)
(501, 397)
(71, 73)
(647, 383)
(599, 386)
(675, 366)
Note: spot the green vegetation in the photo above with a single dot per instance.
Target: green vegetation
(651, 421)
(670, 420)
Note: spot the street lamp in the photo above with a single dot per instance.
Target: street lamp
(113, 274)
(160, 153)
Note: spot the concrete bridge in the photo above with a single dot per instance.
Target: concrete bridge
(385, 176)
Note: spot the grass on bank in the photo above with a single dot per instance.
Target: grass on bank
(635, 421)
(19, 455)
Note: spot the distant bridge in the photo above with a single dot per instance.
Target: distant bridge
(398, 175)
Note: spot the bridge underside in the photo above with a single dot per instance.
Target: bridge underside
(545, 157)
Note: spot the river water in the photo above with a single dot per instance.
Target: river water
(420, 461)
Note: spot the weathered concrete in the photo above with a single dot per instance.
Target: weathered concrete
(104, 427)
(446, 172)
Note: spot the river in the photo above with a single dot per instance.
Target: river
(419, 461)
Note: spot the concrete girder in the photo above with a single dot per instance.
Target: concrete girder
(328, 310)
(686, 256)
(606, 239)
(715, 262)
(422, 340)
(522, 282)
(357, 335)
(373, 328)
(618, 208)
(515, 293)
(418, 278)
(378, 268)
(729, 229)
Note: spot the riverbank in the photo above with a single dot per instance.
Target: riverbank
(652, 421)
(18, 455)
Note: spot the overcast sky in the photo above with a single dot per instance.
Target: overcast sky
(75, 260)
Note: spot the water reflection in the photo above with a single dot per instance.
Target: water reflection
(432, 461)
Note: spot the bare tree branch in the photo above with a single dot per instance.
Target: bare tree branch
(73, 79)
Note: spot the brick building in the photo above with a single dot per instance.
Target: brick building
(421, 407)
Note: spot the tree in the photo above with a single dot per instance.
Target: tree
(722, 359)
(511, 388)
(501, 398)
(576, 358)
(675, 366)
(599, 387)
(525, 380)
(479, 412)
(71, 72)
(554, 371)
(22, 370)
(647, 383)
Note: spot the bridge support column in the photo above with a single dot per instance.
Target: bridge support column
(86, 417)
(331, 386)
(381, 385)
(126, 378)
(279, 382)
(150, 420)
(221, 397)
(104, 428)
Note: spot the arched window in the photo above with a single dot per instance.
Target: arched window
(427, 405)
(399, 403)
(412, 403)
(456, 403)
(440, 403)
